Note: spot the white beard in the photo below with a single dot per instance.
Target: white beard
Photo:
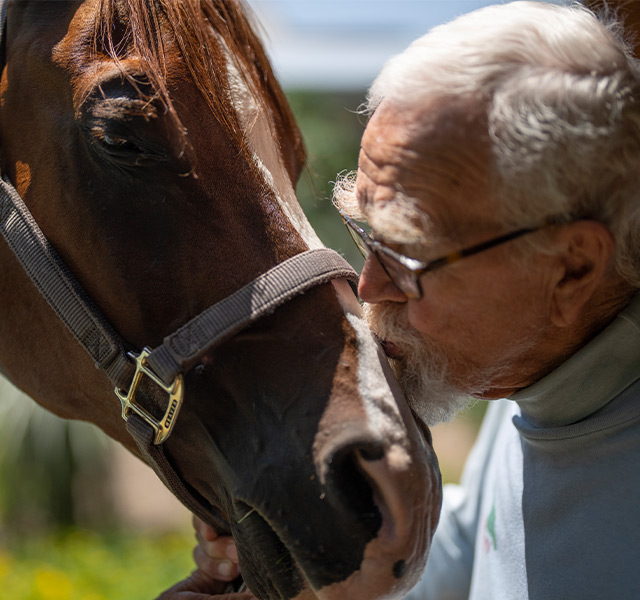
(425, 371)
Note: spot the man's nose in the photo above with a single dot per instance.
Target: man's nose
(375, 285)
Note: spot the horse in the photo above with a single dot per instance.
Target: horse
(148, 160)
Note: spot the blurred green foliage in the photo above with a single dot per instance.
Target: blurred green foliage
(332, 129)
(82, 565)
(53, 473)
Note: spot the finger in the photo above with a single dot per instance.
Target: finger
(204, 531)
(220, 569)
(199, 586)
(222, 548)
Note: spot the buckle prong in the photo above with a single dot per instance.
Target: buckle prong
(164, 426)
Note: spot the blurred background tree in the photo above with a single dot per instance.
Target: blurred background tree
(332, 129)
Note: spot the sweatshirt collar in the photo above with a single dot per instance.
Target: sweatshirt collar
(590, 378)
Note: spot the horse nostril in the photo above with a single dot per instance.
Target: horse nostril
(371, 452)
(399, 569)
(349, 488)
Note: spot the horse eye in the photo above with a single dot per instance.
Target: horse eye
(114, 141)
(123, 146)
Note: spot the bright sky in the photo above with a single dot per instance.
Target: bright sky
(344, 43)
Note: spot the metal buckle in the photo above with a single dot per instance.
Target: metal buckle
(163, 426)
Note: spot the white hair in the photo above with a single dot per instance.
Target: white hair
(560, 91)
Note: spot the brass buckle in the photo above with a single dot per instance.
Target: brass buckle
(163, 426)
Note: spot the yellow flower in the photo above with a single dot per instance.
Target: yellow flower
(51, 584)
(5, 565)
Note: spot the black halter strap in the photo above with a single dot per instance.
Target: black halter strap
(180, 350)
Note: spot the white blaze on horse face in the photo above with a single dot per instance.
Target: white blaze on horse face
(380, 395)
(373, 379)
(261, 140)
(397, 478)
(384, 415)
(373, 383)
(378, 387)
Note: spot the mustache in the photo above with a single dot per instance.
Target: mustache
(442, 376)
(389, 324)
(422, 368)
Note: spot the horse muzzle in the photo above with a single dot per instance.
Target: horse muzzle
(357, 526)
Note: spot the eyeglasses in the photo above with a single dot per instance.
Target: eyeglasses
(405, 272)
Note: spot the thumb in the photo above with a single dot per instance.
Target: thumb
(199, 586)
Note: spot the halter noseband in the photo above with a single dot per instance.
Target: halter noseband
(179, 352)
(182, 349)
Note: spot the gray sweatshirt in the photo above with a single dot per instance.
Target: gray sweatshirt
(549, 503)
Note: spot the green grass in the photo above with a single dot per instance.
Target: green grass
(83, 565)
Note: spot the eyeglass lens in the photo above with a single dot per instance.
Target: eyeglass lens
(402, 278)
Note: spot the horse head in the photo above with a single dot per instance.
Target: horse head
(153, 147)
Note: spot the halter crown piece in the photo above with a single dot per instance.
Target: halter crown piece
(179, 352)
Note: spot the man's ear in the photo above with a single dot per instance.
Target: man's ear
(587, 248)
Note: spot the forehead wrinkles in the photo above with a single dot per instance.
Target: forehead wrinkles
(437, 160)
(394, 216)
(397, 183)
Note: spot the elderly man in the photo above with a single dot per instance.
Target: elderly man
(500, 176)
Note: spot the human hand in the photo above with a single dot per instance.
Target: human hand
(199, 586)
(215, 555)
(217, 561)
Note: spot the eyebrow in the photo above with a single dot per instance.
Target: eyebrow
(404, 224)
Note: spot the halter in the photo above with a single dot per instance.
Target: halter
(166, 364)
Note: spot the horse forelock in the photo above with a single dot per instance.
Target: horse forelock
(206, 33)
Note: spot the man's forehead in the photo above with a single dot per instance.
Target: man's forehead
(434, 156)
(426, 123)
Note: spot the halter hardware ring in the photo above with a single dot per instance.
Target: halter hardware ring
(163, 426)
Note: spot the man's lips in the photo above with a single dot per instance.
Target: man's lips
(390, 349)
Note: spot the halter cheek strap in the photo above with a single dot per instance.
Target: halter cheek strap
(179, 352)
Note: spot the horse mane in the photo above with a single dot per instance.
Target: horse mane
(207, 33)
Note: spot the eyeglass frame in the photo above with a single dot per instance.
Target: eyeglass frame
(416, 268)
